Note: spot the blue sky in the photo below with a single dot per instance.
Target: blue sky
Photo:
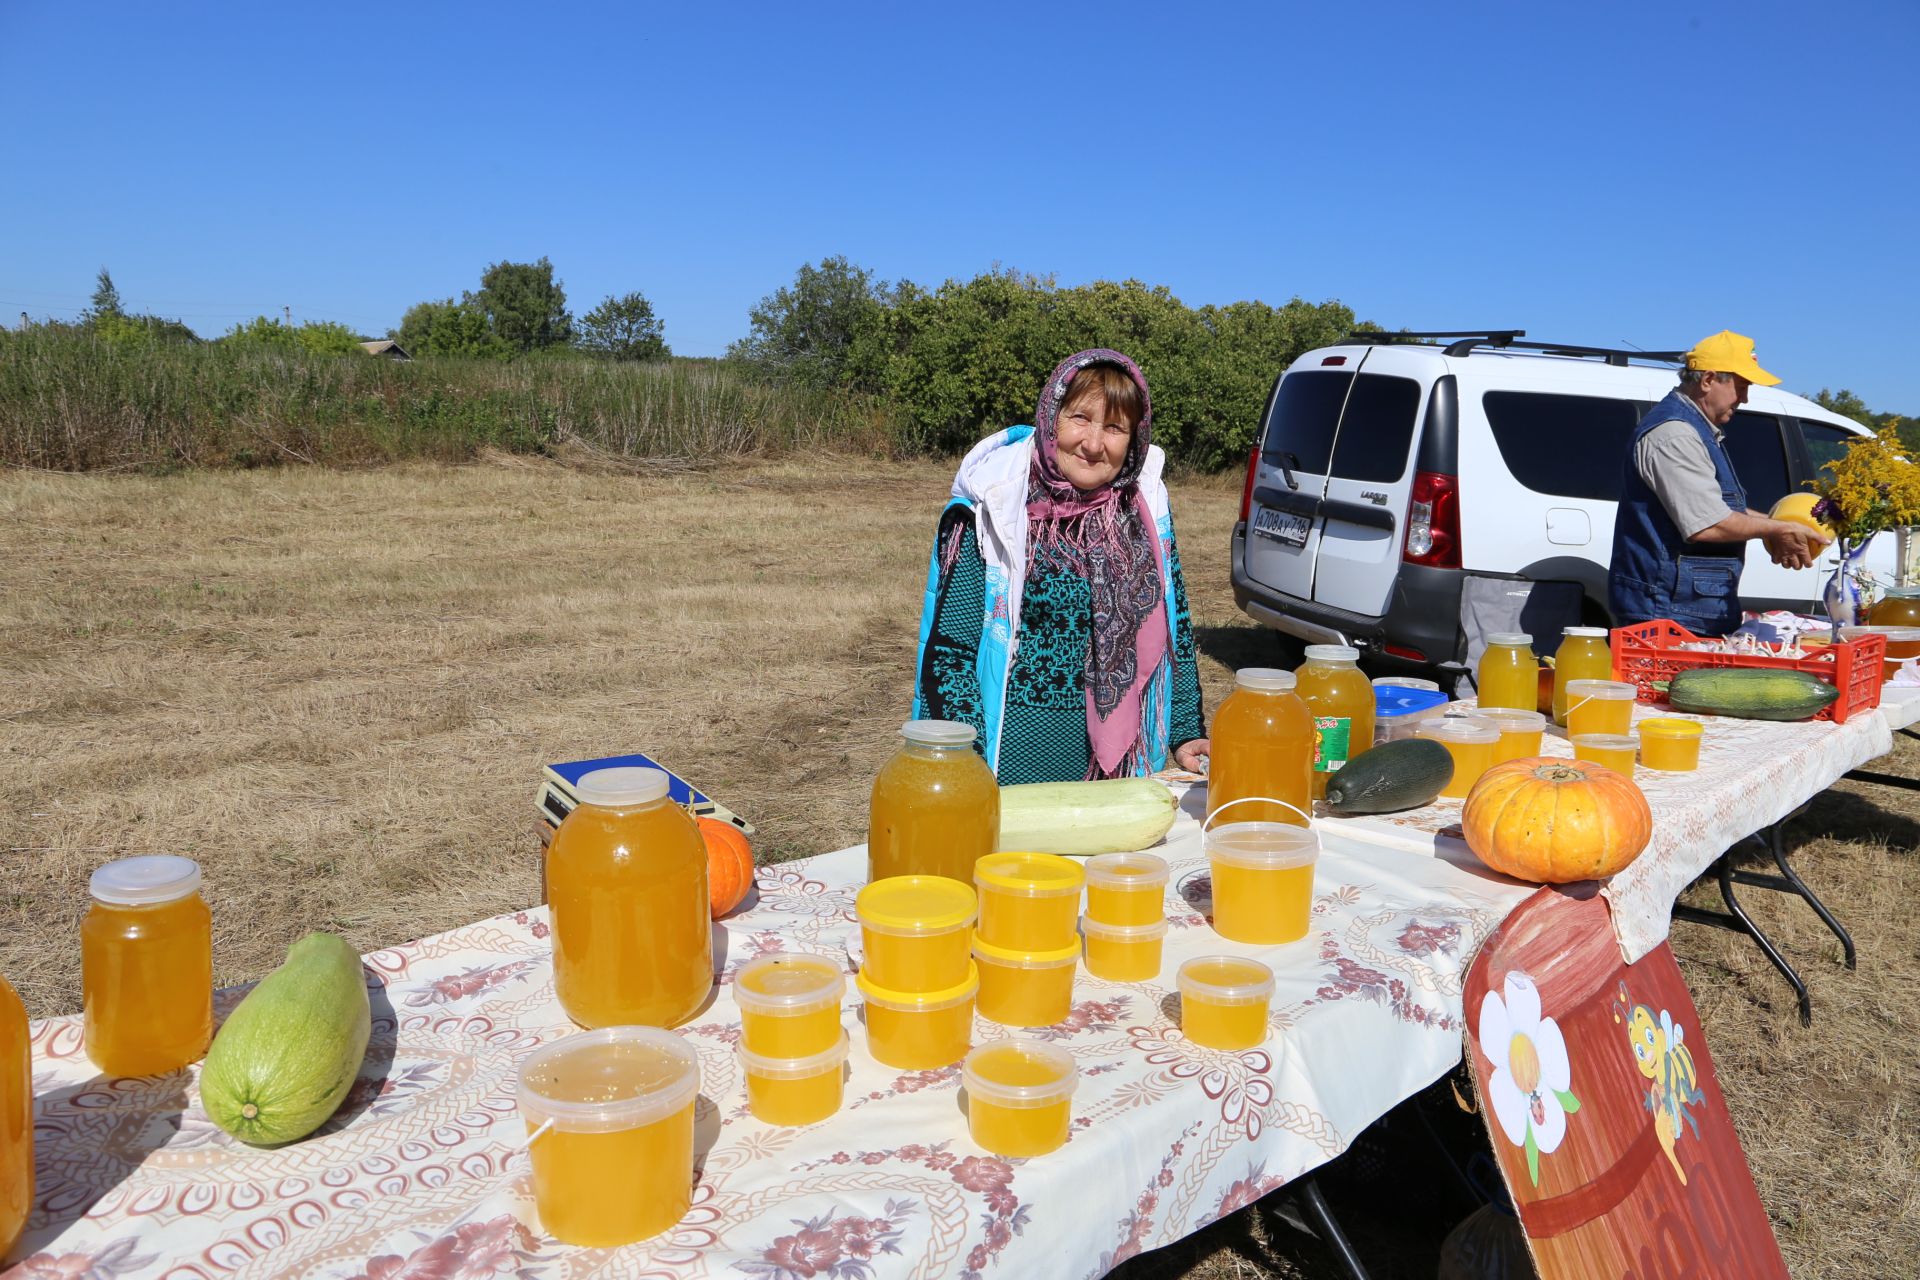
(1591, 173)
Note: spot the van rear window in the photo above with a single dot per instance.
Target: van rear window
(1305, 414)
(1566, 446)
(1376, 435)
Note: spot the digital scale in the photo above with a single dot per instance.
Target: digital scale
(558, 795)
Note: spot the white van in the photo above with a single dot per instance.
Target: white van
(1398, 479)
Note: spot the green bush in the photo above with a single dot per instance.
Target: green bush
(968, 358)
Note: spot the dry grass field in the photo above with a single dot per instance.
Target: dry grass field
(336, 689)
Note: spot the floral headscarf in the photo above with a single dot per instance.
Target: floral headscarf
(1106, 536)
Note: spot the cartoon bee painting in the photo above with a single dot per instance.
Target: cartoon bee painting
(1660, 1051)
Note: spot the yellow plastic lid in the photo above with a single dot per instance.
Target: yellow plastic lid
(911, 905)
(1670, 727)
(1030, 875)
(1009, 958)
(919, 1001)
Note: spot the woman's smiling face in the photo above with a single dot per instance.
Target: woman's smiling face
(1090, 444)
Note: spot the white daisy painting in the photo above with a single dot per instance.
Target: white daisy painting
(1530, 1089)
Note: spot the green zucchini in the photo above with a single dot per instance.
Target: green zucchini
(1403, 774)
(1111, 815)
(1749, 693)
(289, 1052)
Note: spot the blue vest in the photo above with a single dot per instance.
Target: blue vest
(1657, 573)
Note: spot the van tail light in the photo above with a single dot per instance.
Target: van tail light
(1433, 521)
(1246, 492)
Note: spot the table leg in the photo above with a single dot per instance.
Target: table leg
(1736, 920)
(1776, 842)
(1313, 1206)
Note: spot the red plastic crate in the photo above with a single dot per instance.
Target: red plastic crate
(1648, 653)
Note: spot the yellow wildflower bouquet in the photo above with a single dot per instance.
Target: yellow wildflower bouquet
(1869, 488)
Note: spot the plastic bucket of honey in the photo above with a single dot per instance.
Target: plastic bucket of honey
(789, 1004)
(1028, 901)
(1124, 952)
(915, 932)
(1669, 744)
(1262, 877)
(1127, 888)
(1025, 988)
(1019, 1096)
(918, 1031)
(795, 1091)
(1223, 1001)
(610, 1119)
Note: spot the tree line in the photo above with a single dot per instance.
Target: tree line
(942, 367)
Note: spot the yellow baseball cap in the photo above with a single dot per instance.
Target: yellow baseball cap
(1730, 352)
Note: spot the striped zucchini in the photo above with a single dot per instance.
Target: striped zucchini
(1113, 815)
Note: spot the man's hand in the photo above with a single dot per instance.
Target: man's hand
(1793, 546)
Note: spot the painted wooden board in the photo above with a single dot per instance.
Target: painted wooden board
(1601, 1100)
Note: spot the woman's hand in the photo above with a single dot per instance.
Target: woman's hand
(1188, 754)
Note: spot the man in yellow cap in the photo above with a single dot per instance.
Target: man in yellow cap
(1683, 526)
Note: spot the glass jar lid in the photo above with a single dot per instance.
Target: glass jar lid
(621, 788)
(146, 880)
(1264, 679)
(1332, 653)
(938, 733)
(1512, 639)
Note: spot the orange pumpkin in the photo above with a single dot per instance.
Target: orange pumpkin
(729, 864)
(1553, 821)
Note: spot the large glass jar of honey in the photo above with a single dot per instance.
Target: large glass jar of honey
(935, 808)
(16, 1119)
(1583, 655)
(632, 924)
(1341, 700)
(1509, 674)
(1897, 607)
(146, 967)
(1262, 747)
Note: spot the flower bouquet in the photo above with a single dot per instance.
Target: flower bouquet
(1869, 488)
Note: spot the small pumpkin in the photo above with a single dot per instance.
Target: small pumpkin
(729, 864)
(1553, 821)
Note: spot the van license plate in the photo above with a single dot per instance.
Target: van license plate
(1283, 527)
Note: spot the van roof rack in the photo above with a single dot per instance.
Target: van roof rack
(1465, 341)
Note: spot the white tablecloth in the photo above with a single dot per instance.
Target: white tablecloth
(1752, 773)
(423, 1172)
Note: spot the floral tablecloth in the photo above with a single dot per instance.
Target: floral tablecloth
(1752, 773)
(422, 1174)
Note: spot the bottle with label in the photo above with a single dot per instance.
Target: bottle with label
(16, 1119)
(146, 967)
(632, 919)
(1262, 747)
(1341, 701)
(1509, 673)
(935, 806)
(1583, 655)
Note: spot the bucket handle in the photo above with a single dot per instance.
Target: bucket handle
(1254, 800)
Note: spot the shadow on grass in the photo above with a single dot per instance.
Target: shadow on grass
(1873, 812)
(1250, 645)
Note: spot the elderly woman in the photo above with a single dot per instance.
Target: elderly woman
(1056, 619)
